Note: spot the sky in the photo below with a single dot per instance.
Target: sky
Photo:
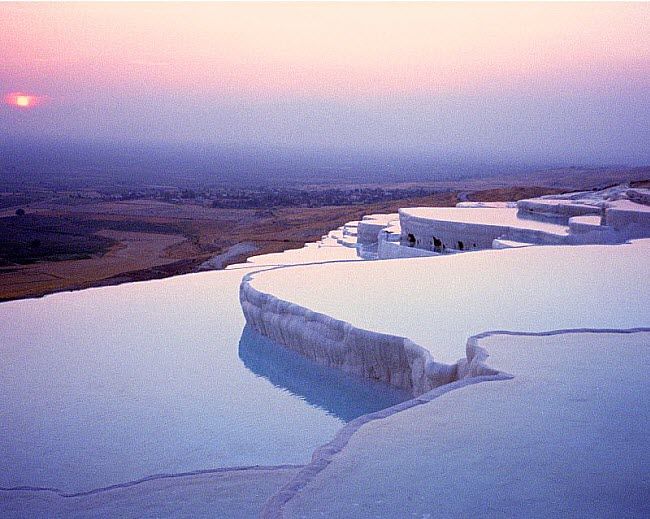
(547, 82)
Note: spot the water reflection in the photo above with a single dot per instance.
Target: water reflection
(344, 396)
(105, 386)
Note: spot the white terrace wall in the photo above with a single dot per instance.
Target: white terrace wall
(626, 215)
(559, 208)
(472, 236)
(330, 342)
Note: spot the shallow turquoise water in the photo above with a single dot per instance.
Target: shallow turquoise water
(105, 386)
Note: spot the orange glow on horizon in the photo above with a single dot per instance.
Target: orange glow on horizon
(22, 100)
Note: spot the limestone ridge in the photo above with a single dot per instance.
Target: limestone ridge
(334, 343)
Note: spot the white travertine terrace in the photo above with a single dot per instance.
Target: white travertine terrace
(325, 250)
(389, 248)
(225, 493)
(558, 430)
(614, 215)
(368, 228)
(504, 217)
(406, 321)
(525, 424)
(487, 204)
(610, 216)
(558, 425)
(473, 228)
(624, 213)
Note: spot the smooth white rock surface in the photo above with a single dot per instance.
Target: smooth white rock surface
(311, 253)
(488, 216)
(338, 313)
(368, 228)
(565, 437)
(232, 494)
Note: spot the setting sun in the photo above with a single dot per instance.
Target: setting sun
(21, 100)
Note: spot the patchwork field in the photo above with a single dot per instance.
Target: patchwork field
(69, 241)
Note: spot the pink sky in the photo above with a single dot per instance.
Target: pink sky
(322, 49)
(410, 75)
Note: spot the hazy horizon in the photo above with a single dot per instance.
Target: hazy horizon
(535, 84)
